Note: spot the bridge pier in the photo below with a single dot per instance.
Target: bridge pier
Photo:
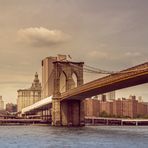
(56, 112)
(72, 113)
(67, 113)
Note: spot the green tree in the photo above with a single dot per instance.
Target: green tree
(103, 114)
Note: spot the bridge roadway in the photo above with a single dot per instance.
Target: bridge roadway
(126, 78)
(40, 105)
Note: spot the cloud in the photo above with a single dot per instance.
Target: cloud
(14, 82)
(98, 54)
(133, 54)
(42, 36)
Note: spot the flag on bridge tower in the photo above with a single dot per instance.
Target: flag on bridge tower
(62, 57)
(69, 56)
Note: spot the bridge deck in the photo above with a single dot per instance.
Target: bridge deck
(126, 78)
(37, 105)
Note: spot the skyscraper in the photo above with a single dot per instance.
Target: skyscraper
(107, 96)
(111, 95)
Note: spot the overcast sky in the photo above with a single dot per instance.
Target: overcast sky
(108, 34)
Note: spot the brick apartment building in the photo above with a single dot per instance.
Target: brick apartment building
(92, 107)
(116, 108)
(106, 106)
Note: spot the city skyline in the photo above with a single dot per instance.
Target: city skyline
(111, 35)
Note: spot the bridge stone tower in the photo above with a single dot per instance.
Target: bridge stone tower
(65, 75)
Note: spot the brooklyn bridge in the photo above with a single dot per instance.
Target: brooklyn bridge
(64, 91)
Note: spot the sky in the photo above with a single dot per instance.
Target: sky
(107, 34)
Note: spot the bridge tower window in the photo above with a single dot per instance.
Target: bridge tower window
(74, 81)
(63, 80)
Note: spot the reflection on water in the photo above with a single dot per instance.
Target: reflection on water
(85, 137)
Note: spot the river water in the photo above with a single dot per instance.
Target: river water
(85, 137)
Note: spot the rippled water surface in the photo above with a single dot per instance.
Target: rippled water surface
(86, 137)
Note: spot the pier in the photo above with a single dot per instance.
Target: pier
(115, 121)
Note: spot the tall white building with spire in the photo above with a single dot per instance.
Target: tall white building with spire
(27, 97)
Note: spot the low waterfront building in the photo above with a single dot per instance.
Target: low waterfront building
(1, 103)
(10, 107)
